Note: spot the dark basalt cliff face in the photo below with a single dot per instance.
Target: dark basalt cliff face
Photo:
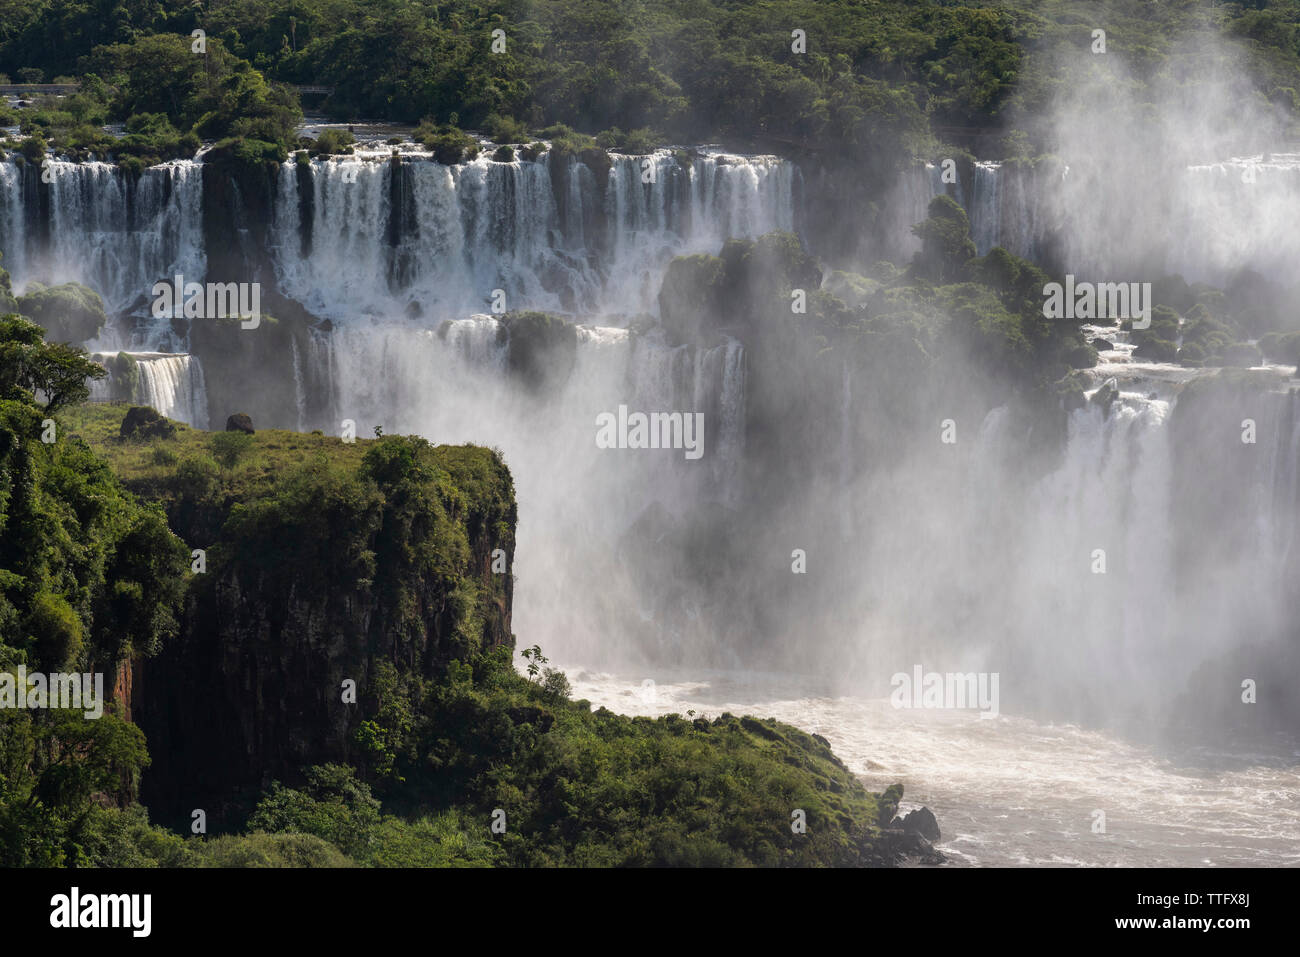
(315, 574)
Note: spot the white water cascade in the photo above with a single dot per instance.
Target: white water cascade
(171, 383)
(1205, 222)
(461, 232)
(110, 231)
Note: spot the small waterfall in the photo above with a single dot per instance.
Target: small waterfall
(1276, 489)
(13, 219)
(299, 387)
(1238, 214)
(985, 210)
(173, 384)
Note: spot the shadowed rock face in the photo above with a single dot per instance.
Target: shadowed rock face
(312, 583)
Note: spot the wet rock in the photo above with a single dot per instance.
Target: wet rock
(1106, 396)
(240, 422)
(921, 821)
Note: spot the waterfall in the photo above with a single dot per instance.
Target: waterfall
(1205, 222)
(985, 210)
(453, 384)
(113, 232)
(1238, 214)
(483, 226)
(172, 384)
(403, 236)
(404, 255)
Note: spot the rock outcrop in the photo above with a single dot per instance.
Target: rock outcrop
(240, 422)
(317, 578)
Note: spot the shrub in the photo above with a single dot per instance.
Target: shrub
(33, 148)
(56, 629)
(229, 447)
(505, 129)
(1281, 347)
(448, 144)
(196, 477)
(70, 312)
(334, 141)
(641, 142)
(504, 154)
(1156, 349)
(1239, 354)
(334, 807)
(610, 139)
(1082, 356)
(164, 456)
(132, 166)
(270, 850)
(556, 684)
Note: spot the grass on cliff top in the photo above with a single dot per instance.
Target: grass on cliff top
(244, 466)
(269, 453)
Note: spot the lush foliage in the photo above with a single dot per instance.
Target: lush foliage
(89, 579)
(692, 70)
(577, 787)
(438, 753)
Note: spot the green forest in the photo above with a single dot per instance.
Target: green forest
(892, 77)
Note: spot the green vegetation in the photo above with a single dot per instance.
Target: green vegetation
(333, 142)
(89, 579)
(68, 313)
(169, 99)
(948, 306)
(437, 753)
(448, 144)
(872, 75)
(577, 787)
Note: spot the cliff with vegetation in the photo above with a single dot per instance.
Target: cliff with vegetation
(236, 588)
(318, 561)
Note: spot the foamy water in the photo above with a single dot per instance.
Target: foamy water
(1011, 791)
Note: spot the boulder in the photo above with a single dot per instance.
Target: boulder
(1106, 395)
(921, 821)
(144, 422)
(240, 422)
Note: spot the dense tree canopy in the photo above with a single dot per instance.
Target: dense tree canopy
(692, 70)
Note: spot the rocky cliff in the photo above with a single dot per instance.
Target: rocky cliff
(315, 561)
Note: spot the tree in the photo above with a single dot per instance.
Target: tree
(946, 245)
(30, 367)
(535, 660)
